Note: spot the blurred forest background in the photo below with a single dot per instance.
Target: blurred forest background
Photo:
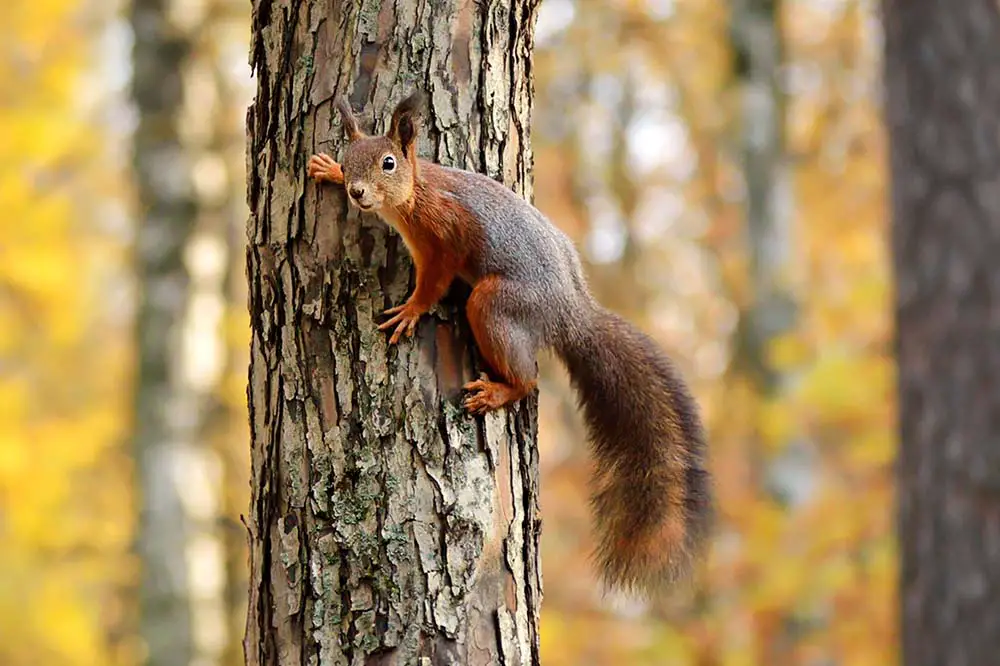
(721, 165)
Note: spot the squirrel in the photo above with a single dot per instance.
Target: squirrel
(651, 494)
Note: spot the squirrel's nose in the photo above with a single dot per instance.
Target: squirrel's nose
(357, 191)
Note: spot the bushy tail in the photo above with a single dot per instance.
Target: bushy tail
(651, 495)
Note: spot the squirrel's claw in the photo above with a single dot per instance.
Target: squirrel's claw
(475, 405)
(405, 320)
(322, 167)
(486, 395)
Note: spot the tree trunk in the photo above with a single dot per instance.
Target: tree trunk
(768, 312)
(757, 45)
(943, 113)
(386, 526)
(180, 266)
(167, 215)
(166, 410)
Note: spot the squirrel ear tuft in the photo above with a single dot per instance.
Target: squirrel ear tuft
(348, 120)
(403, 128)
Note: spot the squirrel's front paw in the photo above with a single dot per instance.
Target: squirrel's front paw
(405, 320)
(322, 167)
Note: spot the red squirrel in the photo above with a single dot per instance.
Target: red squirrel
(651, 494)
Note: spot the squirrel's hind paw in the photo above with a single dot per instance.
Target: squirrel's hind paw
(485, 395)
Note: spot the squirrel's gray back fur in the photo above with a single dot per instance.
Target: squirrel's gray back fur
(521, 244)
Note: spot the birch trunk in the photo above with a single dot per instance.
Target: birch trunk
(386, 526)
(174, 471)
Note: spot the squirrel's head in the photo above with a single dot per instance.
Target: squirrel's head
(379, 171)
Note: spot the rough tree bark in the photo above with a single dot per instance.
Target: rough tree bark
(943, 108)
(386, 526)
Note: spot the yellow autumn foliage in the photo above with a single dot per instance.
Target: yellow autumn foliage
(61, 428)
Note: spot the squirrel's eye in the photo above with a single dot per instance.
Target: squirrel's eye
(388, 163)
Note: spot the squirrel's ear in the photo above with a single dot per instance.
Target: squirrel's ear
(348, 120)
(403, 128)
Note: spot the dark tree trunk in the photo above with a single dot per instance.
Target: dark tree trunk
(943, 112)
(386, 526)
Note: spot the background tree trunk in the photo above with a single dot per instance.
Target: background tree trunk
(386, 526)
(944, 120)
(757, 44)
(767, 310)
(176, 474)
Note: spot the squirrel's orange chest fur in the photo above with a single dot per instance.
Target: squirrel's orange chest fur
(436, 229)
(402, 224)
